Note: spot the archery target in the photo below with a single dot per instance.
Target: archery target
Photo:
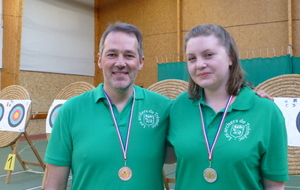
(290, 108)
(13, 115)
(54, 114)
(1, 111)
(16, 115)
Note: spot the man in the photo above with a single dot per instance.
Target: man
(112, 137)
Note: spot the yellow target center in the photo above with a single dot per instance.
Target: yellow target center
(16, 115)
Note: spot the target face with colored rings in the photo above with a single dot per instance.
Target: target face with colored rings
(16, 115)
(54, 114)
(1, 111)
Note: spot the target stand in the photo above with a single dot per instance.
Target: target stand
(12, 116)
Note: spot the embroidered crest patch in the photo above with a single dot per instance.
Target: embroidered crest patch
(237, 130)
(148, 118)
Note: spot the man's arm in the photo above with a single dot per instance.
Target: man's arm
(263, 94)
(56, 177)
(273, 185)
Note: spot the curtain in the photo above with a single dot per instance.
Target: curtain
(57, 37)
(173, 70)
(296, 65)
(261, 69)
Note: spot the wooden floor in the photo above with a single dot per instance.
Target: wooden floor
(32, 178)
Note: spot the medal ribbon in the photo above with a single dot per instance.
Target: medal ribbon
(211, 149)
(124, 147)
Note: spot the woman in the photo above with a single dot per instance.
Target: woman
(224, 136)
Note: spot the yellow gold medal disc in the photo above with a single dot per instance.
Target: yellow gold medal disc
(210, 175)
(125, 173)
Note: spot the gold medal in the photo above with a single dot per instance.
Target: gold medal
(125, 173)
(210, 175)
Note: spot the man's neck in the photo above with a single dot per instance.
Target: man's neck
(119, 97)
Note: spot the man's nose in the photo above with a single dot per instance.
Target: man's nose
(120, 61)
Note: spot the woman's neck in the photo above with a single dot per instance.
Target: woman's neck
(216, 100)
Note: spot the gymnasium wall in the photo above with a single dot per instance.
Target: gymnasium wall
(157, 22)
(57, 44)
(296, 27)
(43, 87)
(259, 27)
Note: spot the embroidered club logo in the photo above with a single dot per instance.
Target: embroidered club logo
(237, 130)
(148, 118)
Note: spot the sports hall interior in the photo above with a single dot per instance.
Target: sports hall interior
(261, 29)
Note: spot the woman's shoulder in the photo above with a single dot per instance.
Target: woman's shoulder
(182, 98)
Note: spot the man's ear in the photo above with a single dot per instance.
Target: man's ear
(99, 61)
(141, 63)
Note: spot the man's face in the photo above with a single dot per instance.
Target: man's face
(120, 60)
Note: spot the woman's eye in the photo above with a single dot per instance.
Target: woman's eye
(191, 58)
(209, 55)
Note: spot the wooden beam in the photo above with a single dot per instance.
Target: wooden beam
(179, 31)
(98, 78)
(39, 115)
(290, 27)
(12, 33)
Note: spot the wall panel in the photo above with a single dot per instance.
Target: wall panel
(296, 27)
(43, 87)
(259, 27)
(157, 22)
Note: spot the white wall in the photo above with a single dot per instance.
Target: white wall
(58, 37)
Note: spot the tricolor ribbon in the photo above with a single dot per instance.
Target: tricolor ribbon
(211, 149)
(124, 147)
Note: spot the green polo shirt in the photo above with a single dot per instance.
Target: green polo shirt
(84, 138)
(252, 144)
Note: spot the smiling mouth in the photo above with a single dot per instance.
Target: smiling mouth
(118, 73)
(204, 74)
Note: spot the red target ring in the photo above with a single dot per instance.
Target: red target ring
(16, 115)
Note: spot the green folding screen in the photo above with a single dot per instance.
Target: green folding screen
(257, 69)
(174, 70)
(296, 65)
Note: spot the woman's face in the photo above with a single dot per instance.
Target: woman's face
(208, 62)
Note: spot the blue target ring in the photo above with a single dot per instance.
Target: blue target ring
(53, 114)
(298, 122)
(16, 115)
(1, 111)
